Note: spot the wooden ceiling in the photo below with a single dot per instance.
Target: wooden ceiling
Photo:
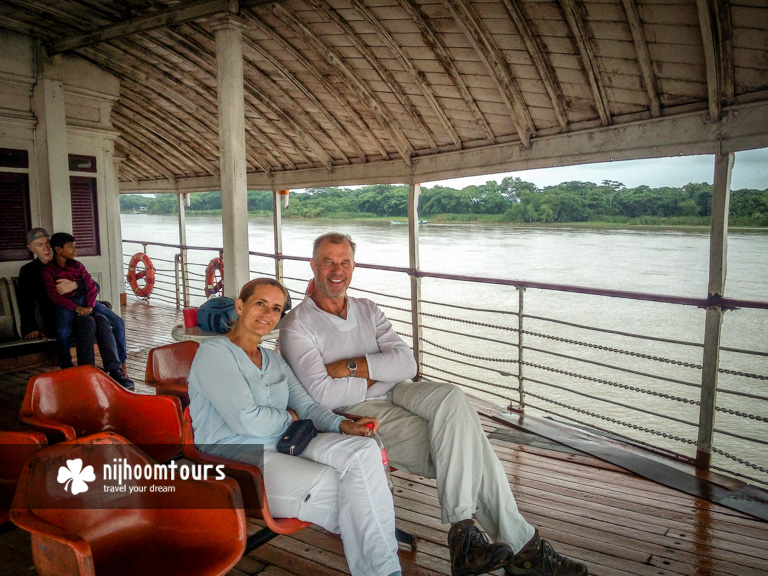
(358, 91)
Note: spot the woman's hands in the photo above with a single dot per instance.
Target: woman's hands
(360, 427)
(293, 414)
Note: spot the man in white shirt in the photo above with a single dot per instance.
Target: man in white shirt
(349, 358)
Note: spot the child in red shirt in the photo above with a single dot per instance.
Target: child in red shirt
(82, 302)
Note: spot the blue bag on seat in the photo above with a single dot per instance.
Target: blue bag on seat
(217, 315)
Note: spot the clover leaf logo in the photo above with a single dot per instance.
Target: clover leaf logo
(77, 475)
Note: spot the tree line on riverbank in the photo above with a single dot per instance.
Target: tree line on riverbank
(511, 200)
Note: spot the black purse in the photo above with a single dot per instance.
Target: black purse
(296, 437)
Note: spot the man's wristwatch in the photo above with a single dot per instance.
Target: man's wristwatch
(352, 365)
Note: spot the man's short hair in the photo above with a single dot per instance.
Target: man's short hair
(333, 238)
(36, 233)
(61, 238)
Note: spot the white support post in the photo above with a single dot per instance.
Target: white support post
(414, 190)
(718, 241)
(51, 143)
(114, 274)
(234, 192)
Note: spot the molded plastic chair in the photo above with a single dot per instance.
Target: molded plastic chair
(15, 449)
(251, 482)
(83, 400)
(92, 531)
(168, 369)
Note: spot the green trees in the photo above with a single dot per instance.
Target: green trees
(512, 200)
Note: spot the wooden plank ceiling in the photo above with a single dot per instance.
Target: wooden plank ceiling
(342, 90)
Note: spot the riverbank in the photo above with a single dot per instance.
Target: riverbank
(642, 223)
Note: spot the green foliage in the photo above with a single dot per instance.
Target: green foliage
(511, 200)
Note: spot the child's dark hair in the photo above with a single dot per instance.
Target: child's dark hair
(61, 238)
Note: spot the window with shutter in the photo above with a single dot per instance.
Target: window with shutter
(15, 218)
(85, 222)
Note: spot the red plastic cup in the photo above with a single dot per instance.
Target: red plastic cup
(190, 317)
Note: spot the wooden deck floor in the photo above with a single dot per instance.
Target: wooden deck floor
(616, 522)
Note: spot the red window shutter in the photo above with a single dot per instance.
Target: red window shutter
(85, 221)
(15, 219)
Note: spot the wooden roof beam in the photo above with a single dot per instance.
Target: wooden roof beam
(581, 36)
(138, 152)
(643, 56)
(365, 95)
(268, 103)
(417, 76)
(540, 61)
(293, 110)
(341, 131)
(330, 89)
(171, 119)
(160, 147)
(715, 25)
(158, 87)
(208, 68)
(146, 127)
(136, 110)
(159, 19)
(440, 51)
(466, 16)
(370, 57)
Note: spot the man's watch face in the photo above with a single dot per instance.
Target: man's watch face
(352, 365)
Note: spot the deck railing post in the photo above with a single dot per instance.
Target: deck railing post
(718, 241)
(184, 264)
(176, 274)
(414, 190)
(520, 378)
(277, 221)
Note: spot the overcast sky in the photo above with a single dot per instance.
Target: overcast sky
(750, 170)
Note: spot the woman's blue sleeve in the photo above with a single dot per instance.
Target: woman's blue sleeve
(216, 374)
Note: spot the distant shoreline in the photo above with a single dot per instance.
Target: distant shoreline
(484, 219)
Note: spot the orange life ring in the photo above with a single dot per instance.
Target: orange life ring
(148, 275)
(214, 269)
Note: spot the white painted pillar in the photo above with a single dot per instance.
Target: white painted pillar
(718, 243)
(234, 200)
(114, 270)
(51, 144)
(414, 191)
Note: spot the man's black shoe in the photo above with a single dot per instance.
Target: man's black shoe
(472, 553)
(538, 558)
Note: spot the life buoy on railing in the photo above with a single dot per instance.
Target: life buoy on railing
(214, 277)
(148, 275)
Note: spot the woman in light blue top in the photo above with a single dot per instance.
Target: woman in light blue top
(243, 397)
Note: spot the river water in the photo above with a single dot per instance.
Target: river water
(668, 262)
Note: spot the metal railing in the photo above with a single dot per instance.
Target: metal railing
(555, 350)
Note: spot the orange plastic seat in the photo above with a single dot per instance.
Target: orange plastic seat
(168, 369)
(251, 482)
(15, 448)
(197, 528)
(83, 400)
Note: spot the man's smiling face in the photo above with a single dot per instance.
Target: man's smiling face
(333, 265)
